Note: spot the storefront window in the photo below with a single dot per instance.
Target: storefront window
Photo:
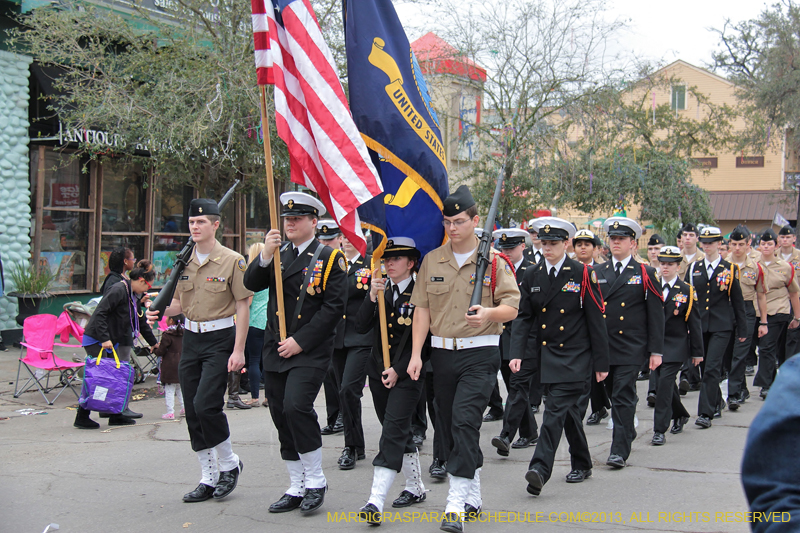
(65, 243)
(123, 197)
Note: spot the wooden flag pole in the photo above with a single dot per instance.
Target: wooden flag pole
(382, 316)
(273, 211)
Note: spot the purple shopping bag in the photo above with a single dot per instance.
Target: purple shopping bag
(107, 384)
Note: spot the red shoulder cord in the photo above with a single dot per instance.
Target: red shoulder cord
(792, 278)
(648, 284)
(494, 268)
(585, 283)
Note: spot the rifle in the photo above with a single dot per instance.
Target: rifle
(485, 245)
(164, 298)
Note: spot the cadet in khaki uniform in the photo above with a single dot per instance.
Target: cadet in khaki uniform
(783, 310)
(790, 254)
(209, 293)
(689, 249)
(755, 304)
(466, 354)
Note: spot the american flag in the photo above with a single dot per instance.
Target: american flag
(326, 151)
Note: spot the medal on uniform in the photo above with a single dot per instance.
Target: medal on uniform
(310, 289)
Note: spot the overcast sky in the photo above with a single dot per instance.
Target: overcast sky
(660, 31)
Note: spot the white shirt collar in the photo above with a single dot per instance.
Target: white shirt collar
(558, 265)
(518, 263)
(671, 283)
(354, 259)
(403, 285)
(715, 264)
(623, 261)
(303, 246)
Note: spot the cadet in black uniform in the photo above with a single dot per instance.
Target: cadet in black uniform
(313, 294)
(394, 394)
(518, 414)
(329, 234)
(209, 293)
(635, 323)
(561, 299)
(682, 335)
(350, 355)
(721, 307)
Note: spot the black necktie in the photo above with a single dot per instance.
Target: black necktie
(295, 251)
(619, 268)
(395, 292)
(552, 274)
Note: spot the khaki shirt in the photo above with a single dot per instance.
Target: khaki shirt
(779, 282)
(210, 291)
(794, 259)
(749, 280)
(754, 254)
(699, 256)
(446, 290)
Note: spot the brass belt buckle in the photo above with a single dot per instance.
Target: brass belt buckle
(455, 344)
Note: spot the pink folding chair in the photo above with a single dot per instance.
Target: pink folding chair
(39, 333)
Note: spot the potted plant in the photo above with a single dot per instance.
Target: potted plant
(31, 286)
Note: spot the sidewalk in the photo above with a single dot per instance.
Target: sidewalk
(131, 479)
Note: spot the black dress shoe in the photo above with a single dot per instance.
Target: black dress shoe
(658, 439)
(535, 482)
(471, 513)
(763, 393)
(418, 440)
(733, 404)
(577, 476)
(407, 498)
(327, 430)
(684, 386)
(492, 417)
(524, 442)
(347, 461)
(651, 399)
(703, 421)
(437, 469)
(338, 427)
(130, 414)
(596, 417)
(717, 413)
(749, 370)
(696, 387)
(313, 500)
(744, 395)
(227, 482)
(285, 504)
(502, 444)
(643, 376)
(677, 425)
(120, 420)
(202, 493)
(616, 461)
(452, 523)
(370, 514)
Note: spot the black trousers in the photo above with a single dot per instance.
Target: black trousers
(668, 399)
(518, 414)
(736, 377)
(464, 380)
(715, 343)
(537, 390)
(350, 365)
(596, 392)
(203, 375)
(291, 396)
(429, 397)
(395, 408)
(792, 342)
(772, 350)
(562, 414)
(331, 395)
(496, 400)
(622, 380)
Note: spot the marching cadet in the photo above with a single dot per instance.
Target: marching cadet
(721, 309)
(585, 243)
(518, 414)
(394, 395)
(654, 245)
(723, 249)
(790, 254)
(635, 324)
(314, 281)
(682, 335)
(209, 293)
(534, 253)
(329, 234)
(561, 306)
(751, 281)
(465, 355)
(783, 311)
(689, 249)
(350, 355)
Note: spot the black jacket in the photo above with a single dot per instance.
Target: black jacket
(367, 320)
(570, 331)
(634, 312)
(321, 311)
(720, 310)
(505, 339)
(347, 334)
(111, 279)
(111, 319)
(682, 335)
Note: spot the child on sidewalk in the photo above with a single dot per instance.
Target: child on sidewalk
(169, 349)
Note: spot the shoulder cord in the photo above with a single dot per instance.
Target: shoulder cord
(691, 300)
(331, 261)
(494, 269)
(585, 283)
(648, 284)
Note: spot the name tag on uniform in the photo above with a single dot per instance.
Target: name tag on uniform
(635, 280)
(536, 289)
(697, 273)
(437, 278)
(184, 277)
(602, 280)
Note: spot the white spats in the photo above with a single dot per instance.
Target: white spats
(296, 477)
(312, 467)
(381, 482)
(457, 496)
(411, 471)
(474, 495)
(227, 459)
(208, 467)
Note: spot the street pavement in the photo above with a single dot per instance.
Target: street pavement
(131, 479)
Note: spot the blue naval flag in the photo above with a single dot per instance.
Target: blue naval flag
(391, 107)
